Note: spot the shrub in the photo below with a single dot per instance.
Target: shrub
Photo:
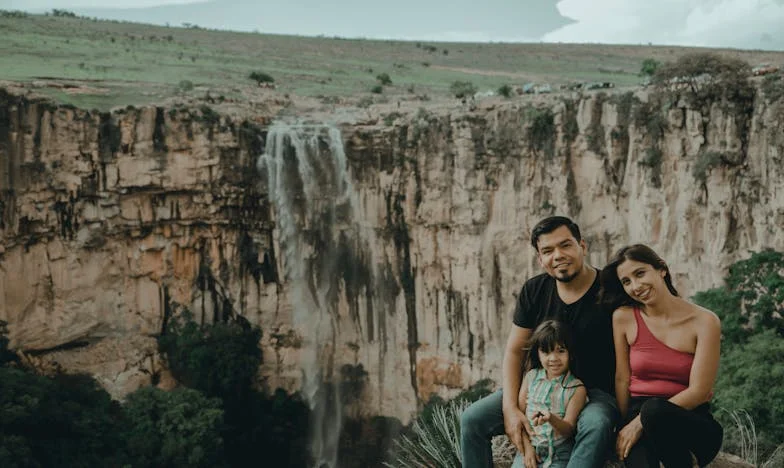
(653, 160)
(261, 77)
(384, 79)
(63, 13)
(185, 85)
(649, 67)
(434, 437)
(505, 91)
(594, 134)
(773, 87)
(462, 89)
(377, 89)
(706, 161)
(541, 132)
(6, 354)
(13, 14)
(365, 102)
(433, 441)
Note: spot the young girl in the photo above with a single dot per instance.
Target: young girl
(551, 397)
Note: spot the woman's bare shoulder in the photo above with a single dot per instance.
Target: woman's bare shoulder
(623, 314)
(705, 319)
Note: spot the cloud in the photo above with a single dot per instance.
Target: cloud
(745, 24)
(45, 5)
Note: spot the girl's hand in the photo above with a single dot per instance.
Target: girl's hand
(627, 437)
(541, 417)
(531, 458)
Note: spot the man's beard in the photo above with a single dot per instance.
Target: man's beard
(566, 277)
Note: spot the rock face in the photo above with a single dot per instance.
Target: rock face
(110, 222)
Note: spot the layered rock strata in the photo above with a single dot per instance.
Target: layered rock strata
(111, 222)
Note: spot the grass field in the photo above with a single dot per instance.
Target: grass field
(128, 63)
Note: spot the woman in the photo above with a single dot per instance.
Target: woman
(667, 357)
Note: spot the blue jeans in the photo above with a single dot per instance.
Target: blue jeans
(593, 440)
(561, 454)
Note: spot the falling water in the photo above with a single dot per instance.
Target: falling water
(311, 192)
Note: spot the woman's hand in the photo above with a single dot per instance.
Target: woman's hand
(627, 437)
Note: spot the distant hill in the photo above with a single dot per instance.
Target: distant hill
(499, 19)
(109, 63)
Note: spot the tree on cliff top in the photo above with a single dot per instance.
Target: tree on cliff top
(707, 76)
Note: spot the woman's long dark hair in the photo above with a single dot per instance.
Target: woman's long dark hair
(546, 337)
(612, 295)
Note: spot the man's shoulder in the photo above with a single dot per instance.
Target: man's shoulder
(539, 281)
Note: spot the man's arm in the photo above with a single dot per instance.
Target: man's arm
(621, 319)
(514, 357)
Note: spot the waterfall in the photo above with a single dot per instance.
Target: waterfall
(311, 193)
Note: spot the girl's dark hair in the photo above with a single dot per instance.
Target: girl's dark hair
(612, 295)
(546, 337)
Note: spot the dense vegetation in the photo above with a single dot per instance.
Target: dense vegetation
(751, 375)
(215, 419)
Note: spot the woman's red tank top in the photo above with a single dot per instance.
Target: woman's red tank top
(656, 369)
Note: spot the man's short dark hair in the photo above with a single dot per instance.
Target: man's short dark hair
(548, 225)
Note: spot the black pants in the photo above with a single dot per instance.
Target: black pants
(671, 434)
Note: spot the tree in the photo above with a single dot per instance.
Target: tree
(752, 298)
(751, 374)
(707, 77)
(66, 420)
(220, 360)
(505, 91)
(181, 428)
(462, 89)
(751, 378)
(384, 79)
(649, 67)
(261, 77)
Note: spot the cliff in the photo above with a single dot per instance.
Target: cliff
(385, 253)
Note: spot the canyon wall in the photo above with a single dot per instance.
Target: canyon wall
(111, 222)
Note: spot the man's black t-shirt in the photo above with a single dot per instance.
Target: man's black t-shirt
(591, 327)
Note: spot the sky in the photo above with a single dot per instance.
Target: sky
(748, 24)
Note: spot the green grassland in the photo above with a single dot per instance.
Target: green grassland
(126, 63)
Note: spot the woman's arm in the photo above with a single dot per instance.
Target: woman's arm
(706, 362)
(566, 426)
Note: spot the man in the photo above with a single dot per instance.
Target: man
(566, 291)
